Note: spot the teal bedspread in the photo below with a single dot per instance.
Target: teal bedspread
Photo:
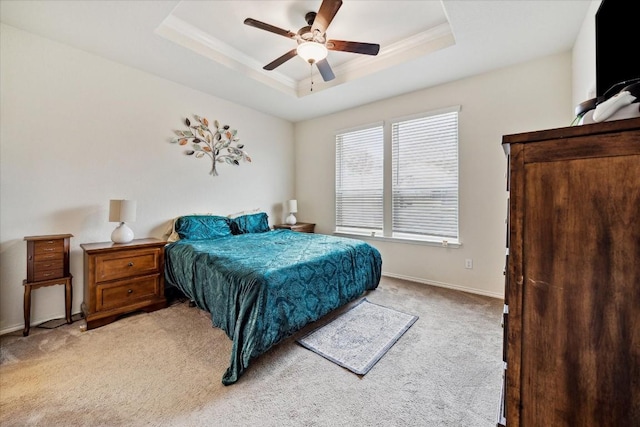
(262, 287)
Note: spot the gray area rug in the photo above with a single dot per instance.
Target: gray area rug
(358, 338)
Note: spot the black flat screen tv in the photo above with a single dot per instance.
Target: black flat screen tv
(617, 47)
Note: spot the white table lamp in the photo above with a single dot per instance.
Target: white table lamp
(122, 211)
(292, 208)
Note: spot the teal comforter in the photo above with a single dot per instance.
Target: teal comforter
(262, 287)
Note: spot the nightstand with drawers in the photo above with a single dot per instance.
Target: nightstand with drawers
(303, 227)
(121, 278)
(47, 265)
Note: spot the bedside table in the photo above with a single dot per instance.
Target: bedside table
(121, 278)
(47, 265)
(303, 227)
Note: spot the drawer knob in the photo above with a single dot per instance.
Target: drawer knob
(130, 264)
(49, 249)
(130, 291)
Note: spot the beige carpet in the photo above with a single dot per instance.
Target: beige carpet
(164, 369)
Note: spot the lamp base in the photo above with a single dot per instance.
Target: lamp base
(291, 219)
(122, 234)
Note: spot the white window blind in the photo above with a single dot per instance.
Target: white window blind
(359, 180)
(425, 176)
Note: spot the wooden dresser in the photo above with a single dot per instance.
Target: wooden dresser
(47, 265)
(572, 288)
(121, 278)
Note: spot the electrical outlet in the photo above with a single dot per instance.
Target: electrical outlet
(468, 263)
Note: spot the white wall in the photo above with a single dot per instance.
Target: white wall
(528, 97)
(584, 58)
(78, 130)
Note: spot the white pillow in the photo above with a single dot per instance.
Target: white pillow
(237, 214)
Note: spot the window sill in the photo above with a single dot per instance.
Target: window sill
(406, 240)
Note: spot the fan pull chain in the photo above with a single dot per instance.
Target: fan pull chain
(311, 75)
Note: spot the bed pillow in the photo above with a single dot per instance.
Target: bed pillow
(170, 234)
(250, 223)
(247, 212)
(202, 227)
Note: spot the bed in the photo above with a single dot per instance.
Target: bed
(260, 285)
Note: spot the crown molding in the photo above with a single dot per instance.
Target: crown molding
(186, 35)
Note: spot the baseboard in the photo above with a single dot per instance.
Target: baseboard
(34, 324)
(445, 285)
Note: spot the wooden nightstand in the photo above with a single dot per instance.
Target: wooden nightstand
(47, 265)
(121, 278)
(303, 227)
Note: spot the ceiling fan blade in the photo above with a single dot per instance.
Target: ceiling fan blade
(267, 27)
(325, 15)
(325, 70)
(354, 47)
(281, 60)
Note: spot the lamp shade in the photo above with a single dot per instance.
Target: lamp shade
(122, 210)
(312, 51)
(292, 206)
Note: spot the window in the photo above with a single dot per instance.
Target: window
(420, 174)
(359, 180)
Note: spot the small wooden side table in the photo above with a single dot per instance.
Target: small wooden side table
(303, 227)
(47, 265)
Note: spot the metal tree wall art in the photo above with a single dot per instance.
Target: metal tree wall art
(220, 143)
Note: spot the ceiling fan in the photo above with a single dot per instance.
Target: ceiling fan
(313, 44)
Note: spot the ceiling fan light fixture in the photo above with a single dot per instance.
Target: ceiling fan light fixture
(312, 52)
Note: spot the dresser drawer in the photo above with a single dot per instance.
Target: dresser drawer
(124, 293)
(49, 256)
(123, 264)
(55, 264)
(45, 270)
(44, 247)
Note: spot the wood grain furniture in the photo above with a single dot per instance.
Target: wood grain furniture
(121, 278)
(47, 265)
(303, 227)
(572, 297)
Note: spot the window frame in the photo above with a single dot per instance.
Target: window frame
(387, 230)
(345, 229)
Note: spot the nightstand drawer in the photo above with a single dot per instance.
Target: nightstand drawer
(48, 245)
(122, 294)
(53, 264)
(125, 264)
(45, 270)
(43, 248)
(49, 256)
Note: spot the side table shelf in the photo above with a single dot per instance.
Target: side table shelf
(47, 265)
